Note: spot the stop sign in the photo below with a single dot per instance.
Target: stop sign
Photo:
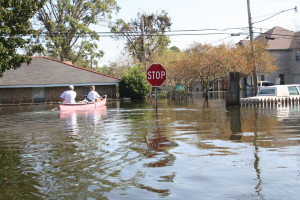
(156, 75)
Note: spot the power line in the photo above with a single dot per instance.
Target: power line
(220, 40)
(171, 33)
(123, 34)
(167, 32)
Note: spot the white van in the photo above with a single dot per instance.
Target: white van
(275, 91)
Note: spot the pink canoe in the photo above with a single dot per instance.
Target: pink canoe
(82, 106)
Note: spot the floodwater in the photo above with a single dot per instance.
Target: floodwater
(185, 150)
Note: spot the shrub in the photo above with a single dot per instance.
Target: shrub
(134, 84)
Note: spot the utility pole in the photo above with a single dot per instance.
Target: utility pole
(254, 72)
(252, 48)
(143, 39)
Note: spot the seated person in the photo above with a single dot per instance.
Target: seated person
(93, 95)
(69, 95)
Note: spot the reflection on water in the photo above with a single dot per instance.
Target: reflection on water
(187, 150)
(69, 118)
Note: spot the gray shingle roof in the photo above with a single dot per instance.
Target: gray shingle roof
(48, 72)
(280, 39)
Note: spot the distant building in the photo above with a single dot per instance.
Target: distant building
(45, 79)
(285, 46)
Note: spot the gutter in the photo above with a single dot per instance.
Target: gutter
(58, 85)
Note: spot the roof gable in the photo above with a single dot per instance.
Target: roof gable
(278, 38)
(46, 71)
(281, 38)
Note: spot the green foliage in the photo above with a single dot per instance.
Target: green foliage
(112, 70)
(134, 84)
(144, 35)
(163, 94)
(175, 48)
(105, 70)
(66, 25)
(16, 32)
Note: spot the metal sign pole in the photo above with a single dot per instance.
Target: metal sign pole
(156, 76)
(156, 99)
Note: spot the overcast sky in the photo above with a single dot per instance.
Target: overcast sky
(225, 16)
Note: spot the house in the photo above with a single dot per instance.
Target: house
(45, 79)
(285, 46)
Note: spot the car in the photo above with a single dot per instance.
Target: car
(276, 92)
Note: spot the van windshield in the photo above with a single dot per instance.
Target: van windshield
(293, 90)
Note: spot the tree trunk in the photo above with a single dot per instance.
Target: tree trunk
(205, 92)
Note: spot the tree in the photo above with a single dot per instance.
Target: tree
(105, 69)
(209, 64)
(116, 69)
(174, 62)
(16, 32)
(265, 62)
(66, 24)
(175, 48)
(144, 35)
(214, 63)
(206, 62)
(134, 84)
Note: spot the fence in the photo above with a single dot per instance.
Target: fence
(284, 101)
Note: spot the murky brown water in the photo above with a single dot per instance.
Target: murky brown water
(128, 151)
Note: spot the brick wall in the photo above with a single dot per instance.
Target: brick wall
(53, 94)
(15, 95)
(80, 93)
(109, 90)
(24, 95)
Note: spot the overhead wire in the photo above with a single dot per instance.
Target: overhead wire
(166, 33)
(172, 33)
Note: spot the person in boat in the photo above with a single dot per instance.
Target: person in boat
(93, 95)
(69, 95)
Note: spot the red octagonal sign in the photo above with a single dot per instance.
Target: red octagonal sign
(156, 75)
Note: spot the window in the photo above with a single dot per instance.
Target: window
(293, 90)
(264, 83)
(38, 94)
(267, 83)
(266, 91)
(281, 76)
(86, 91)
(297, 54)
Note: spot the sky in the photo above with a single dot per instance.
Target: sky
(223, 16)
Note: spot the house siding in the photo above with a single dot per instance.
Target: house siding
(283, 61)
(285, 49)
(288, 66)
(295, 68)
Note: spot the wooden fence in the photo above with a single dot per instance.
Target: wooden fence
(284, 101)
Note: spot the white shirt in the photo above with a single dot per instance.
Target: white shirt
(69, 96)
(93, 95)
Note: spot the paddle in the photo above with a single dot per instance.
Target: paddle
(54, 109)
